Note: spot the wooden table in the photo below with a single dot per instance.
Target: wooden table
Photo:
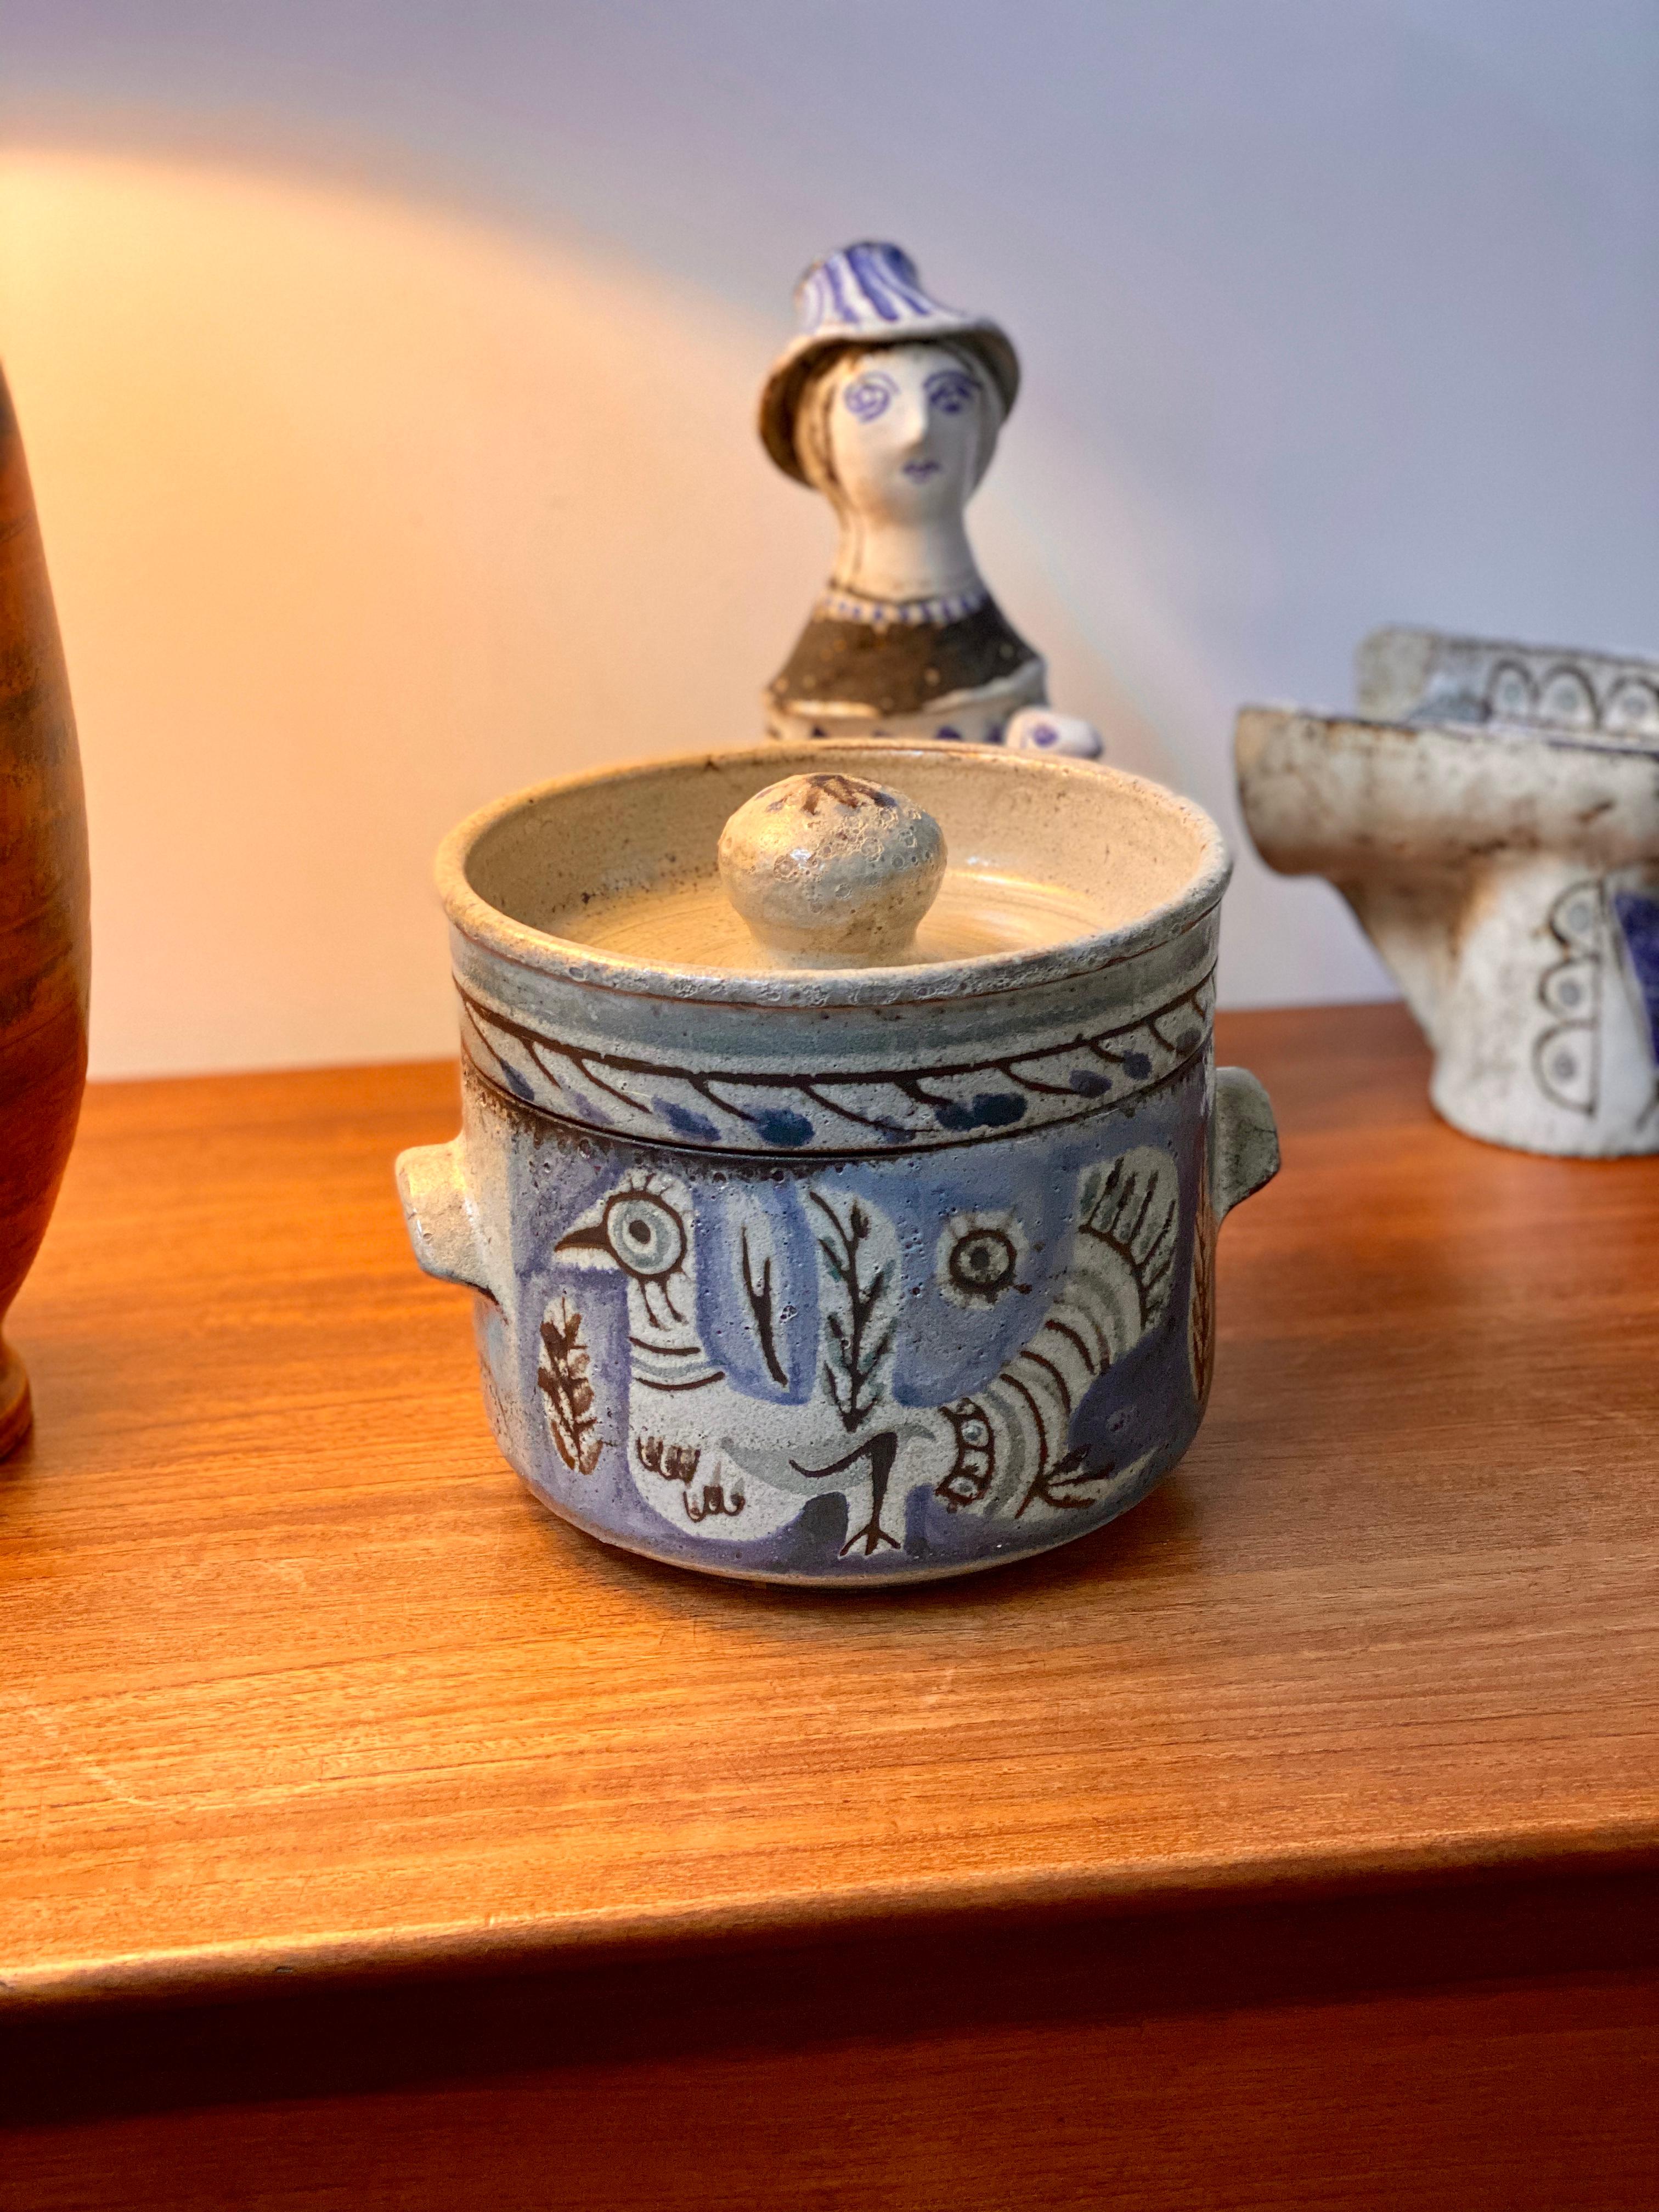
(370, 1837)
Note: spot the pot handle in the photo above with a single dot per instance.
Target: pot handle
(442, 1216)
(1244, 1139)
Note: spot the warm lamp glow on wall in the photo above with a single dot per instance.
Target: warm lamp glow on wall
(359, 513)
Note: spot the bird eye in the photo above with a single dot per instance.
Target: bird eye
(869, 395)
(647, 1238)
(983, 1262)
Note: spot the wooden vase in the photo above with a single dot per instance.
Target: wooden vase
(44, 931)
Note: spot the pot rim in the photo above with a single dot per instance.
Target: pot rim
(983, 974)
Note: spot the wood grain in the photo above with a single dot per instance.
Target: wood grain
(1493, 2100)
(304, 1692)
(44, 923)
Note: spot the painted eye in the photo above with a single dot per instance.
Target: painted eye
(979, 1256)
(645, 1236)
(983, 1263)
(950, 391)
(869, 395)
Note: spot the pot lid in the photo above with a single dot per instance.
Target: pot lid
(841, 872)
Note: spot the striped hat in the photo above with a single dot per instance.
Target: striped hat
(868, 294)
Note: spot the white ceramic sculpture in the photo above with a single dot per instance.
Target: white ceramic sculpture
(890, 406)
(1492, 815)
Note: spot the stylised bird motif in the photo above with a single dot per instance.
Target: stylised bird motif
(644, 1228)
(796, 1337)
(1013, 1448)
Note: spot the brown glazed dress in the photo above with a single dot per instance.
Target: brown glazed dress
(45, 935)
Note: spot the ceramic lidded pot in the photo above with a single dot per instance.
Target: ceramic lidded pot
(841, 1154)
(1491, 812)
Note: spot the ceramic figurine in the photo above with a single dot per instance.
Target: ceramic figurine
(890, 406)
(869, 1239)
(1491, 814)
(44, 929)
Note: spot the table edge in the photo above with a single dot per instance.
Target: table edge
(547, 1941)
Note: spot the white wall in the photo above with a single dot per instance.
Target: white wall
(388, 372)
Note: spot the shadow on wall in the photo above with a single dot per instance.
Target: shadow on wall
(360, 513)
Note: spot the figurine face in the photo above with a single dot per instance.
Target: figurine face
(907, 432)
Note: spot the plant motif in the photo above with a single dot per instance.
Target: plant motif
(860, 1337)
(569, 1394)
(856, 1350)
(972, 1099)
(1023, 1443)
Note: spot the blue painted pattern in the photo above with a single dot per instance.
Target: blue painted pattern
(872, 286)
(1638, 915)
(840, 1109)
(857, 1368)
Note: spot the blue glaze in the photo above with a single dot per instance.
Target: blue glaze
(757, 1304)
(800, 1109)
(853, 1369)
(1637, 916)
(684, 1123)
(987, 1109)
(870, 286)
(881, 272)
(780, 1126)
(830, 271)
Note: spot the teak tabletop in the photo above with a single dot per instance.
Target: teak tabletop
(298, 1681)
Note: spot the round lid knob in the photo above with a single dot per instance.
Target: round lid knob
(831, 872)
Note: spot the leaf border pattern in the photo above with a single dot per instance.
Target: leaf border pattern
(880, 1110)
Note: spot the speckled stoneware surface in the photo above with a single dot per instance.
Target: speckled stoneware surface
(1492, 815)
(839, 1274)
